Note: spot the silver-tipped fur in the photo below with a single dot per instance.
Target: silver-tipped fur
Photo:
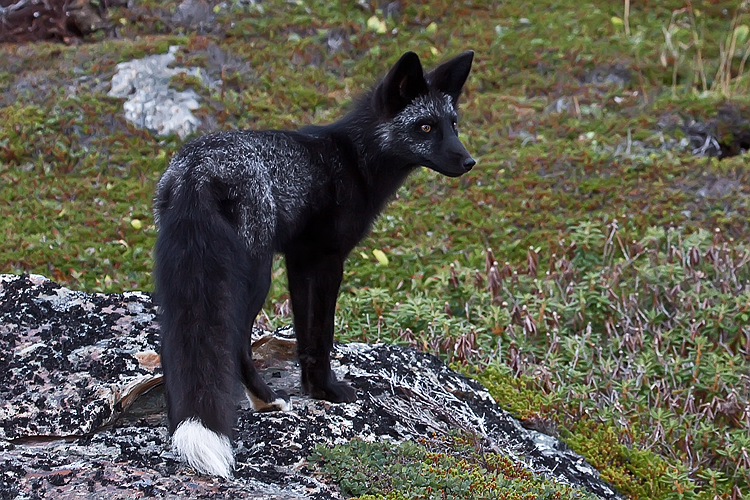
(206, 451)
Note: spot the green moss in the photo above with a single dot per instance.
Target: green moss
(521, 396)
(19, 125)
(453, 467)
(637, 473)
(183, 81)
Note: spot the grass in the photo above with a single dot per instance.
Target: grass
(617, 314)
(629, 351)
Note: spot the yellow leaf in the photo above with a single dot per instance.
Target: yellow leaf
(377, 25)
(136, 223)
(373, 23)
(380, 256)
(431, 28)
(616, 21)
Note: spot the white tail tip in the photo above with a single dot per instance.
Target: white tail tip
(205, 450)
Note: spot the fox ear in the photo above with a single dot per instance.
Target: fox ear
(401, 85)
(450, 76)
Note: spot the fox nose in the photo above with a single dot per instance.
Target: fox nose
(469, 163)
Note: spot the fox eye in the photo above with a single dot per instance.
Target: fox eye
(426, 128)
(455, 125)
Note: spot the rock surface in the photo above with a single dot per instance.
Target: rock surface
(151, 103)
(83, 416)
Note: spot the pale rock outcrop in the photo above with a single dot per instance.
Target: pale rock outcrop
(83, 415)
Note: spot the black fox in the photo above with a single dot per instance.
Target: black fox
(229, 200)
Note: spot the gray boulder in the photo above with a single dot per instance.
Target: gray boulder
(83, 414)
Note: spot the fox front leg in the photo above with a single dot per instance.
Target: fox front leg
(314, 282)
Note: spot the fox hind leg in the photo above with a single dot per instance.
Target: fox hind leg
(261, 397)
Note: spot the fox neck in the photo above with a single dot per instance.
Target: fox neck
(386, 172)
(382, 171)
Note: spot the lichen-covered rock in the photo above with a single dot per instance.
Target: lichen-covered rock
(83, 415)
(150, 102)
(70, 359)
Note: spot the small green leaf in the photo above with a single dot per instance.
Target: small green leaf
(741, 33)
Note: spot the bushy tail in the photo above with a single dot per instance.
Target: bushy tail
(200, 286)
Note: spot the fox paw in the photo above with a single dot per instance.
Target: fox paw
(283, 402)
(333, 391)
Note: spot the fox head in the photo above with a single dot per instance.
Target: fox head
(417, 113)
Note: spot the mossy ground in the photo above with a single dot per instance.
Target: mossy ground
(447, 467)
(626, 337)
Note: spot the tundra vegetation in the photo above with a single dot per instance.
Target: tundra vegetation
(592, 270)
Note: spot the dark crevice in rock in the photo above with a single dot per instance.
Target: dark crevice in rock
(726, 135)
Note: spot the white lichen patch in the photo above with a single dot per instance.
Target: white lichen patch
(151, 104)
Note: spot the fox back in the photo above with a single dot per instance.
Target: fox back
(228, 201)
